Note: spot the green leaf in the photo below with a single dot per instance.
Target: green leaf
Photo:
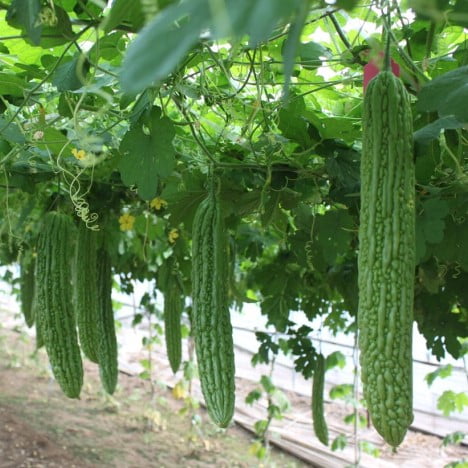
(161, 45)
(59, 33)
(454, 246)
(145, 363)
(11, 132)
(369, 448)
(25, 13)
(447, 94)
(292, 42)
(442, 372)
(125, 13)
(12, 85)
(432, 131)
(53, 141)
(333, 234)
(310, 54)
(454, 438)
(430, 225)
(339, 443)
(335, 359)
(148, 157)
(69, 75)
(264, 16)
(164, 42)
(450, 401)
(292, 123)
(281, 402)
(267, 384)
(347, 4)
(68, 5)
(253, 396)
(341, 391)
(261, 426)
(459, 13)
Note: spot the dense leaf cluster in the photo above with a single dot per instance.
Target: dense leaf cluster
(104, 111)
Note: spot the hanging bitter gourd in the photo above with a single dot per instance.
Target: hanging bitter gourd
(318, 417)
(86, 291)
(27, 266)
(173, 306)
(53, 302)
(107, 344)
(387, 256)
(211, 320)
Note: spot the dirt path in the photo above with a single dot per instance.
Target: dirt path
(39, 427)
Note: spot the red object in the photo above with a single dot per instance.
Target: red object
(374, 66)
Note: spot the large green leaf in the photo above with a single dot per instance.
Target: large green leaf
(25, 14)
(164, 42)
(12, 85)
(69, 75)
(11, 132)
(161, 45)
(53, 141)
(447, 94)
(148, 155)
(432, 131)
(125, 13)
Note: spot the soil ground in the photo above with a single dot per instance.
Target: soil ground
(40, 427)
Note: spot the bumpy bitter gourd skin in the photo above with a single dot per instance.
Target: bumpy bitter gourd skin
(86, 291)
(27, 291)
(53, 304)
(107, 345)
(387, 256)
(211, 320)
(318, 417)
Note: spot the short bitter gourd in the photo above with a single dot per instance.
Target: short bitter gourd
(387, 256)
(27, 290)
(173, 306)
(318, 417)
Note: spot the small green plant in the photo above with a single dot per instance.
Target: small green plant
(454, 438)
(449, 401)
(339, 443)
(277, 405)
(458, 464)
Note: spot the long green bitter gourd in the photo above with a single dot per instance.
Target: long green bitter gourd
(86, 291)
(27, 290)
(387, 256)
(210, 317)
(53, 302)
(318, 416)
(173, 306)
(107, 345)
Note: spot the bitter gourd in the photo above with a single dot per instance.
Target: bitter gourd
(173, 306)
(53, 302)
(27, 289)
(210, 317)
(86, 291)
(387, 256)
(107, 345)
(318, 417)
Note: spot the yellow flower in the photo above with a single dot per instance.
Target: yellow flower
(126, 222)
(173, 235)
(158, 203)
(179, 392)
(79, 154)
